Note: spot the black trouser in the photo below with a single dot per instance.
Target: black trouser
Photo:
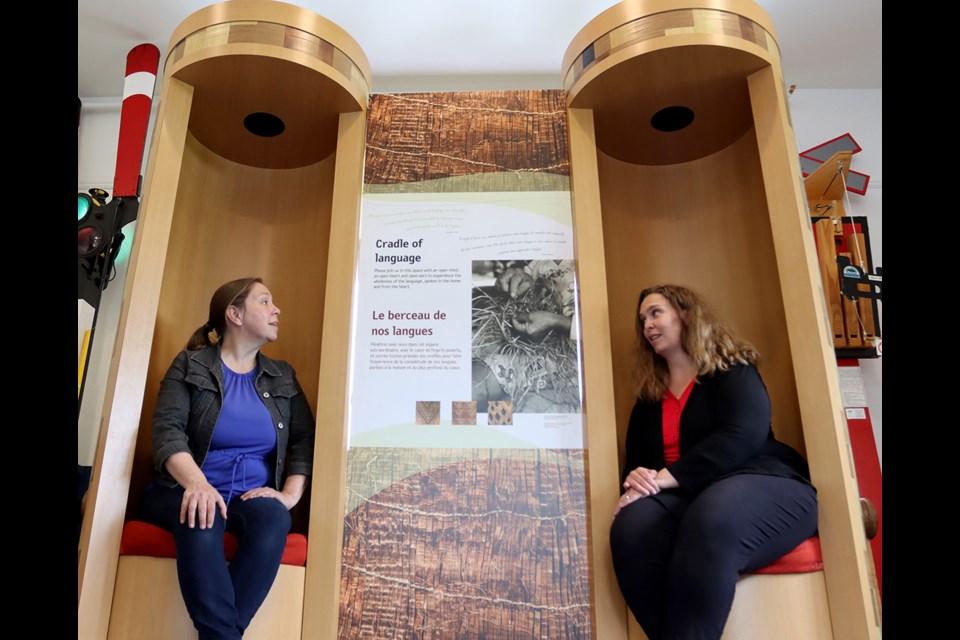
(678, 560)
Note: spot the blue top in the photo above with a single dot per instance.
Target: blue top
(244, 441)
(189, 404)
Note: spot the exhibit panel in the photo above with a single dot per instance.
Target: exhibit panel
(684, 170)
(466, 510)
(255, 170)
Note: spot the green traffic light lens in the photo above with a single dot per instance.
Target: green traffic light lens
(83, 205)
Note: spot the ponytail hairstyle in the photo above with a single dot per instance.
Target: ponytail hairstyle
(232, 294)
(703, 337)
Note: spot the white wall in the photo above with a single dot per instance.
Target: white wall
(823, 114)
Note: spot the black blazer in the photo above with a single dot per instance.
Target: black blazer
(724, 430)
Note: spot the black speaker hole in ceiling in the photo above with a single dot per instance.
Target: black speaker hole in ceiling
(671, 119)
(265, 125)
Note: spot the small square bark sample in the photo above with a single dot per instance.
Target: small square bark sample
(499, 412)
(464, 412)
(428, 412)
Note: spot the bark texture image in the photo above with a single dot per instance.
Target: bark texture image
(464, 412)
(487, 547)
(499, 412)
(428, 412)
(415, 137)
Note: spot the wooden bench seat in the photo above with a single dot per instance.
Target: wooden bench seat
(147, 603)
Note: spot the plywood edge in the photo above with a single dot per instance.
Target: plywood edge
(650, 46)
(628, 10)
(279, 13)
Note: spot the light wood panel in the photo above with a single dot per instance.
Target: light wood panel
(252, 56)
(676, 224)
(853, 611)
(725, 215)
(824, 184)
(640, 57)
(705, 225)
(279, 13)
(709, 80)
(858, 256)
(322, 589)
(207, 219)
(766, 606)
(148, 604)
(235, 221)
(851, 320)
(107, 496)
(852, 323)
(603, 476)
(260, 79)
(624, 12)
(827, 252)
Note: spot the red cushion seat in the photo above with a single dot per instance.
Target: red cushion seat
(806, 558)
(144, 539)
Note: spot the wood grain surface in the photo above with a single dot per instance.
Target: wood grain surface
(414, 137)
(492, 545)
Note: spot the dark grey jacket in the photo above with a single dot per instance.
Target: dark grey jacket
(189, 402)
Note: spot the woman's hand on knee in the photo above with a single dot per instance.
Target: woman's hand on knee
(642, 481)
(200, 504)
(266, 492)
(629, 496)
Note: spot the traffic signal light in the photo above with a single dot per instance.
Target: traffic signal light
(98, 240)
(92, 223)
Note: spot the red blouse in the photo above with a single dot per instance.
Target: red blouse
(671, 408)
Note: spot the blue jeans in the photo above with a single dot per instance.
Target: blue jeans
(222, 599)
(678, 559)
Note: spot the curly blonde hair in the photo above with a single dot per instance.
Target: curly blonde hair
(703, 337)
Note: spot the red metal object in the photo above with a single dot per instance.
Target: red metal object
(866, 461)
(142, 63)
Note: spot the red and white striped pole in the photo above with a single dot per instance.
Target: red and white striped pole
(93, 272)
(142, 63)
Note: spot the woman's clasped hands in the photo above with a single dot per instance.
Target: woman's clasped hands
(643, 482)
(640, 483)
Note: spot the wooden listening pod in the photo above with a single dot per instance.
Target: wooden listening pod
(684, 170)
(255, 169)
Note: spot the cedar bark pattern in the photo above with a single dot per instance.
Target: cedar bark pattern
(412, 137)
(487, 547)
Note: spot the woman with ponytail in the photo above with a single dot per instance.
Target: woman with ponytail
(233, 443)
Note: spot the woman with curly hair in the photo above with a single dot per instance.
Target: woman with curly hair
(708, 492)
